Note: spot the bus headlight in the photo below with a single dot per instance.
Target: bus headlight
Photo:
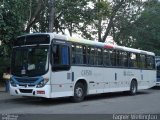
(42, 83)
(13, 84)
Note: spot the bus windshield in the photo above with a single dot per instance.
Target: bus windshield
(30, 61)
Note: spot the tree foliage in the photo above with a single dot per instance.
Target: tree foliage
(130, 22)
(70, 13)
(124, 13)
(146, 29)
(11, 23)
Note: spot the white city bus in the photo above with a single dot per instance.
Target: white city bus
(50, 65)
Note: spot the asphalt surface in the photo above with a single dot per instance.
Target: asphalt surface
(93, 107)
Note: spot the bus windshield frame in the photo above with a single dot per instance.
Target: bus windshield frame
(30, 61)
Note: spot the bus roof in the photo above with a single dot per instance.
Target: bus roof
(105, 45)
(93, 43)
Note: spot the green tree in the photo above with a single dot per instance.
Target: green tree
(146, 29)
(16, 18)
(122, 16)
(11, 23)
(19, 17)
(101, 13)
(70, 14)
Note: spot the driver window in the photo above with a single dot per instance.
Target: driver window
(60, 55)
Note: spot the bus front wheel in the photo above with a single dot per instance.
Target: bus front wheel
(79, 92)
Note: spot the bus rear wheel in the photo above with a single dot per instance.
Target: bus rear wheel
(79, 92)
(133, 87)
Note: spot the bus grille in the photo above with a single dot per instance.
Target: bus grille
(26, 80)
(25, 90)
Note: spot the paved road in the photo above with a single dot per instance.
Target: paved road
(146, 101)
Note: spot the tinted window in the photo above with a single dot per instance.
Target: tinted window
(78, 54)
(142, 61)
(91, 56)
(106, 58)
(98, 56)
(60, 55)
(122, 59)
(150, 62)
(32, 39)
(133, 60)
(113, 57)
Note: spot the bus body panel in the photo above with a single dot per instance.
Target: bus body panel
(61, 83)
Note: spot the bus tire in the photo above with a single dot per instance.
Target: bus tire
(133, 87)
(79, 92)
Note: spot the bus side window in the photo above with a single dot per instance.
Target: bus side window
(133, 60)
(106, 58)
(91, 56)
(99, 57)
(79, 54)
(60, 57)
(122, 59)
(84, 55)
(88, 54)
(73, 54)
(64, 55)
(142, 61)
(125, 59)
(158, 68)
(113, 57)
(150, 62)
(153, 62)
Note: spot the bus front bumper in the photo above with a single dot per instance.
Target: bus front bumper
(31, 91)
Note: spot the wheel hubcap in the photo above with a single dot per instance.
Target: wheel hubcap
(134, 88)
(79, 92)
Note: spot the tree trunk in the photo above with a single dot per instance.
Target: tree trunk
(99, 24)
(70, 29)
(110, 24)
(99, 30)
(35, 15)
(51, 15)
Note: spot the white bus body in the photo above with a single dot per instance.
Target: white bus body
(77, 80)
